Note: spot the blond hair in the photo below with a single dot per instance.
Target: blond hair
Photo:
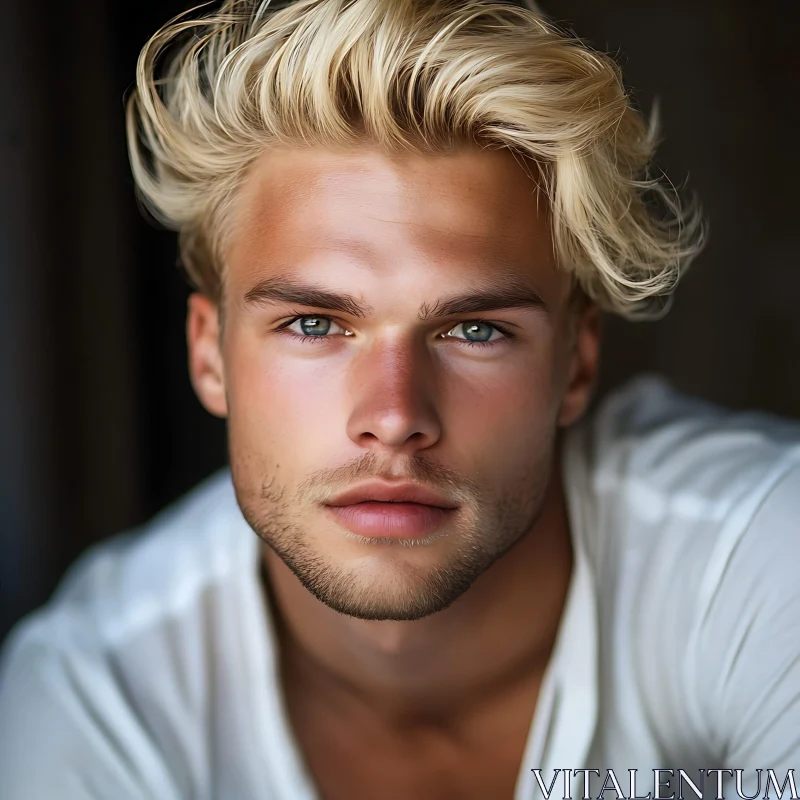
(422, 75)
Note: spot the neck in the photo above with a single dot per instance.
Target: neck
(499, 632)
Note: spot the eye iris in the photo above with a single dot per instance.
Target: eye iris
(315, 326)
(474, 331)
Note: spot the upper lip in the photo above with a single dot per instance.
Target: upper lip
(391, 492)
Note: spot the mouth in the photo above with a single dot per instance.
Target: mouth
(393, 502)
(391, 510)
(391, 519)
(393, 494)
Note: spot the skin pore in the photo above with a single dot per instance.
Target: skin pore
(450, 356)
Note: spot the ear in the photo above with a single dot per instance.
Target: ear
(205, 356)
(584, 357)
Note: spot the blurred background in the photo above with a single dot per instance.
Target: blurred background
(99, 427)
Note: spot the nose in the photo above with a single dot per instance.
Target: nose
(393, 391)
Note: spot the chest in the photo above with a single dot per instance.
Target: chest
(425, 765)
(362, 756)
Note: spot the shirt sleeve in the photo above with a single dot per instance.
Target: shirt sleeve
(748, 659)
(65, 728)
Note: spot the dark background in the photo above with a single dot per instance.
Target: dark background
(98, 424)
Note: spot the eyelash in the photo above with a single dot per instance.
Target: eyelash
(304, 338)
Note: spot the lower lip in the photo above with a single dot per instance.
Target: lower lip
(391, 520)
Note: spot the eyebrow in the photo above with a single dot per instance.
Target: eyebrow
(508, 292)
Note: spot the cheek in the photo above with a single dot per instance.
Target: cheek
(296, 410)
(507, 421)
(280, 404)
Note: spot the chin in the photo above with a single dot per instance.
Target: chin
(383, 603)
(388, 587)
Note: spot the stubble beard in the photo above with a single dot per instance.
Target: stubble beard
(484, 532)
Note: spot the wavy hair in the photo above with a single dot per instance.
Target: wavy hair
(215, 89)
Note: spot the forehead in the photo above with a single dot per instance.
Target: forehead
(457, 215)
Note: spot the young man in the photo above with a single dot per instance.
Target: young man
(404, 219)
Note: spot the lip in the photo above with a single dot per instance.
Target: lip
(391, 520)
(392, 493)
(391, 510)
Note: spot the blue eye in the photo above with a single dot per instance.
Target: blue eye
(475, 331)
(315, 326)
(318, 327)
(312, 327)
(478, 333)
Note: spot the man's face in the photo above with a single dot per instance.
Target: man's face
(391, 383)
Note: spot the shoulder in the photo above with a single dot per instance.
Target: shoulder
(143, 578)
(743, 657)
(694, 529)
(122, 585)
(121, 635)
(682, 446)
(674, 485)
(651, 455)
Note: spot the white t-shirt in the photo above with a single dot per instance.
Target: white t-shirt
(152, 671)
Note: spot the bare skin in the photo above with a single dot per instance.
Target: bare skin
(400, 682)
